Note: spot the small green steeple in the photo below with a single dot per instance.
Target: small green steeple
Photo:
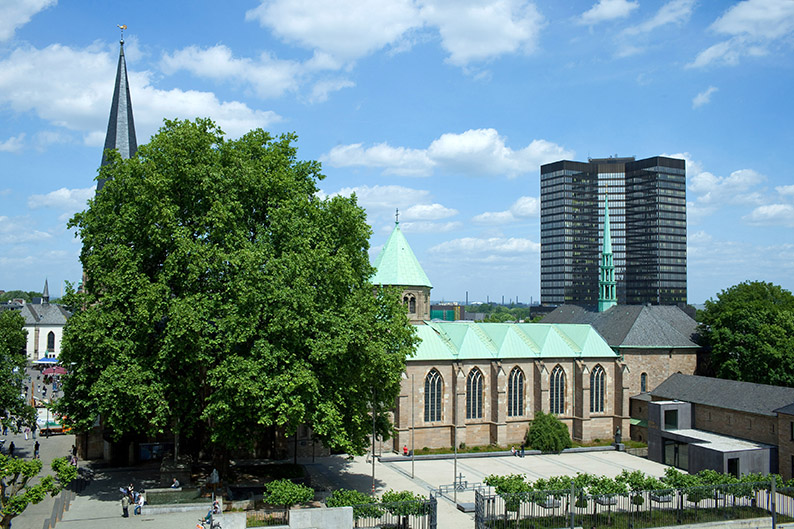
(397, 265)
(607, 289)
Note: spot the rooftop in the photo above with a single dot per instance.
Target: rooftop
(463, 340)
(748, 397)
(396, 263)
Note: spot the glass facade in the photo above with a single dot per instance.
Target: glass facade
(647, 211)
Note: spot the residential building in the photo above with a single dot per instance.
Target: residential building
(647, 203)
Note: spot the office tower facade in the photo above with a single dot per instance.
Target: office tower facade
(647, 211)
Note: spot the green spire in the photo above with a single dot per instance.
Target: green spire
(607, 289)
(397, 265)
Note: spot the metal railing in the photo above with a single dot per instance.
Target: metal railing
(634, 510)
(400, 515)
(267, 518)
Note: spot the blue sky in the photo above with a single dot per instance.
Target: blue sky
(444, 109)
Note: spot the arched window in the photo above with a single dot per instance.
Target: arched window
(597, 389)
(474, 394)
(412, 305)
(644, 382)
(515, 393)
(557, 391)
(51, 342)
(433, 388)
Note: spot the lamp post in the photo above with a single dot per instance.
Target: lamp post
(413, 426)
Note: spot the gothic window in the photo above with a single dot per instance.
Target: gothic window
(557, 391)
(597, 385)
(474, 394)
(433, 388)
(51, 342)
(410, 301)
(515, 393)
(644, 382)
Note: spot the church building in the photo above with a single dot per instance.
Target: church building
(482, 383)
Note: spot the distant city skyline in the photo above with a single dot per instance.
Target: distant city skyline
(445, 112)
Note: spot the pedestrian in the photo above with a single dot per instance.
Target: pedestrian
(5, 429)
(513, 450)
(139, 504)
(11, 449)
(33, 430)
(405, 450)
(27, 433)
(74, 451)
(36, 450)
(522, 449)
(125, 506)
(175, 484)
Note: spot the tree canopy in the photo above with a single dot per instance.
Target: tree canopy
(548, 434)
(19, 486)
(225, 298)
(749, 330)
(12, 368)
(19, 294)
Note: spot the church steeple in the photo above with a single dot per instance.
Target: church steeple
(121, 126)
(607, 290)
(396, 265)
(45, 296)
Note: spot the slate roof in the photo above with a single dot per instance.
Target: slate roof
(121, 125)
(464, 340)
(788, 410)
(641, 326)
(748, 397)
(44, 314)
(396, 263)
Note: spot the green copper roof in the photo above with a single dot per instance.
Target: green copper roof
(472, 341)
(607, 234)
(397, 265)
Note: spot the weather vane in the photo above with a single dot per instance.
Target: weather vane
(122, 27)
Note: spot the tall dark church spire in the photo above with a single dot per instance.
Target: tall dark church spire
(121, 126)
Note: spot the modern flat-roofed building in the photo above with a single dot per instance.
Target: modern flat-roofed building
(647, 211)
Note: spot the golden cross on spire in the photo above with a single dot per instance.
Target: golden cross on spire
(122, 27)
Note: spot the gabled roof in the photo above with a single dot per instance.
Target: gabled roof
(396, 263)
(748, 397)
(465, 340)
(642, 326)
(44, 314)
(121, 126)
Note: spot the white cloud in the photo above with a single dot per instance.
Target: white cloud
(268, 76)
(772, 214)
(673, 12)
(429, 227)
(524, 207)
(345, 29)
(13, 144)
(704, 97)
(322, 89)
(385, 197)
(785, 190)
(476, 152)
(72, 88)
(607, 10)
(470, 30)
(19, 230)
(486, 250)
(428, 212)
(476, 30)
(752, 25)
(63, 199)
(395, 160)
(16, 13)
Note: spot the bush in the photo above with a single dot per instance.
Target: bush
(364, 506)
(286, 493)
(548, 434)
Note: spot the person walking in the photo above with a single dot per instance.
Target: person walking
(11, 449)
(36, 450)
(125, 506)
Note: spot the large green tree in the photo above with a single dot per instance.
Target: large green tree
(749, 330)
(226, 299)
(12, 369)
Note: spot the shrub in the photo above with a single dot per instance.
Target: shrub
(364, 506)
(548, 434)
(286, 493)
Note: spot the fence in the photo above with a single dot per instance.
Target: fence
(401, 515)
(635, 510)
(267, 518)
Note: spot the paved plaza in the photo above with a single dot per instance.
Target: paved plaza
(98, 505)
